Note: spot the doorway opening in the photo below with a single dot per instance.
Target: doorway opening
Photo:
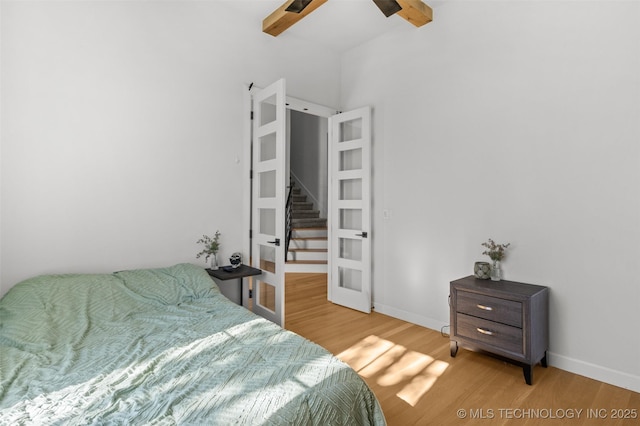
(307, 200)
(328, 153)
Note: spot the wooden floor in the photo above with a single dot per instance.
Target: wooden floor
(410, 370)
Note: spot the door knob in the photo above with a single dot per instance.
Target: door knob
(276, 242)
(363, 235)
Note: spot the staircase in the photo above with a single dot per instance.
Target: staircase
(308, 245)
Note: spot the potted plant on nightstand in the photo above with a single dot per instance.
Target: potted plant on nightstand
(496, 253)
(211, 247)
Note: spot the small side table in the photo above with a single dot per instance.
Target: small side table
(239, 273)
(504, 318)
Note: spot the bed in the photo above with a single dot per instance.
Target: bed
(162, 346)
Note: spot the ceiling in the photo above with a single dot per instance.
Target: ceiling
(338, 24)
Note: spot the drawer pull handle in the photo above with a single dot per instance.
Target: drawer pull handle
(484, 308)
(483, 331)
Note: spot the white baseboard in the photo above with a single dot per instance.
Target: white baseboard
(427, 322)
(596, 372)
(582, 368)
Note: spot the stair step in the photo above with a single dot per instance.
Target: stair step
(312, 232)
(307, 262)
(297, 198)
(307, 255)
(295, 190)
(302, 206)
(309, 223)
(308, 243)
(305, 214)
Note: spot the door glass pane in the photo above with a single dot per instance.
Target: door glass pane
(266, 295)
(350, 278)
(351, 219)
(351, 159)
(350, 130)
(351, 189)
(268, 258)
(350, 249)
(268, 110)
(267, 184)
(267, 221)
(268, 147)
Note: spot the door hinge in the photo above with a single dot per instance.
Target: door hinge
(251, 116)
(251, 174)
(250, 293)
(250, 233)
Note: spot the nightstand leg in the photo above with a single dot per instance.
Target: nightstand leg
(543, 361)
(528, 373)
(453, 346)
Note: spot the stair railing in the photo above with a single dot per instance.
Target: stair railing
(288, 220)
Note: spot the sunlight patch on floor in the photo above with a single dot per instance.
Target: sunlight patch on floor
(365, 352)
(390, 364)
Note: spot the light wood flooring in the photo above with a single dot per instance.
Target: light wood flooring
(410, 370)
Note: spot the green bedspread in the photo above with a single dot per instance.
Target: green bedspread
(162, 346)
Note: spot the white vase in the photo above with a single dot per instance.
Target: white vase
(214, 261)
(496, 272)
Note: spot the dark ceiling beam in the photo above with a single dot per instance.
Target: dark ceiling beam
(388, 7)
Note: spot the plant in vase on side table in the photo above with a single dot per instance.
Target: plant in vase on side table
(496, 252)
(211, 247)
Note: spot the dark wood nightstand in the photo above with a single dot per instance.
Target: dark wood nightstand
(239, 273)
(505, 318)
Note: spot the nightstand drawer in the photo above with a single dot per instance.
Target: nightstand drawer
(492, 333)
(490, 308)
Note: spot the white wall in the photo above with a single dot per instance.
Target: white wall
(517, 121)
(122, 126)
(121, 123)
(309, 156)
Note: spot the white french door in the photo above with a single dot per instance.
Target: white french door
(350, 209)
(270, 165)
